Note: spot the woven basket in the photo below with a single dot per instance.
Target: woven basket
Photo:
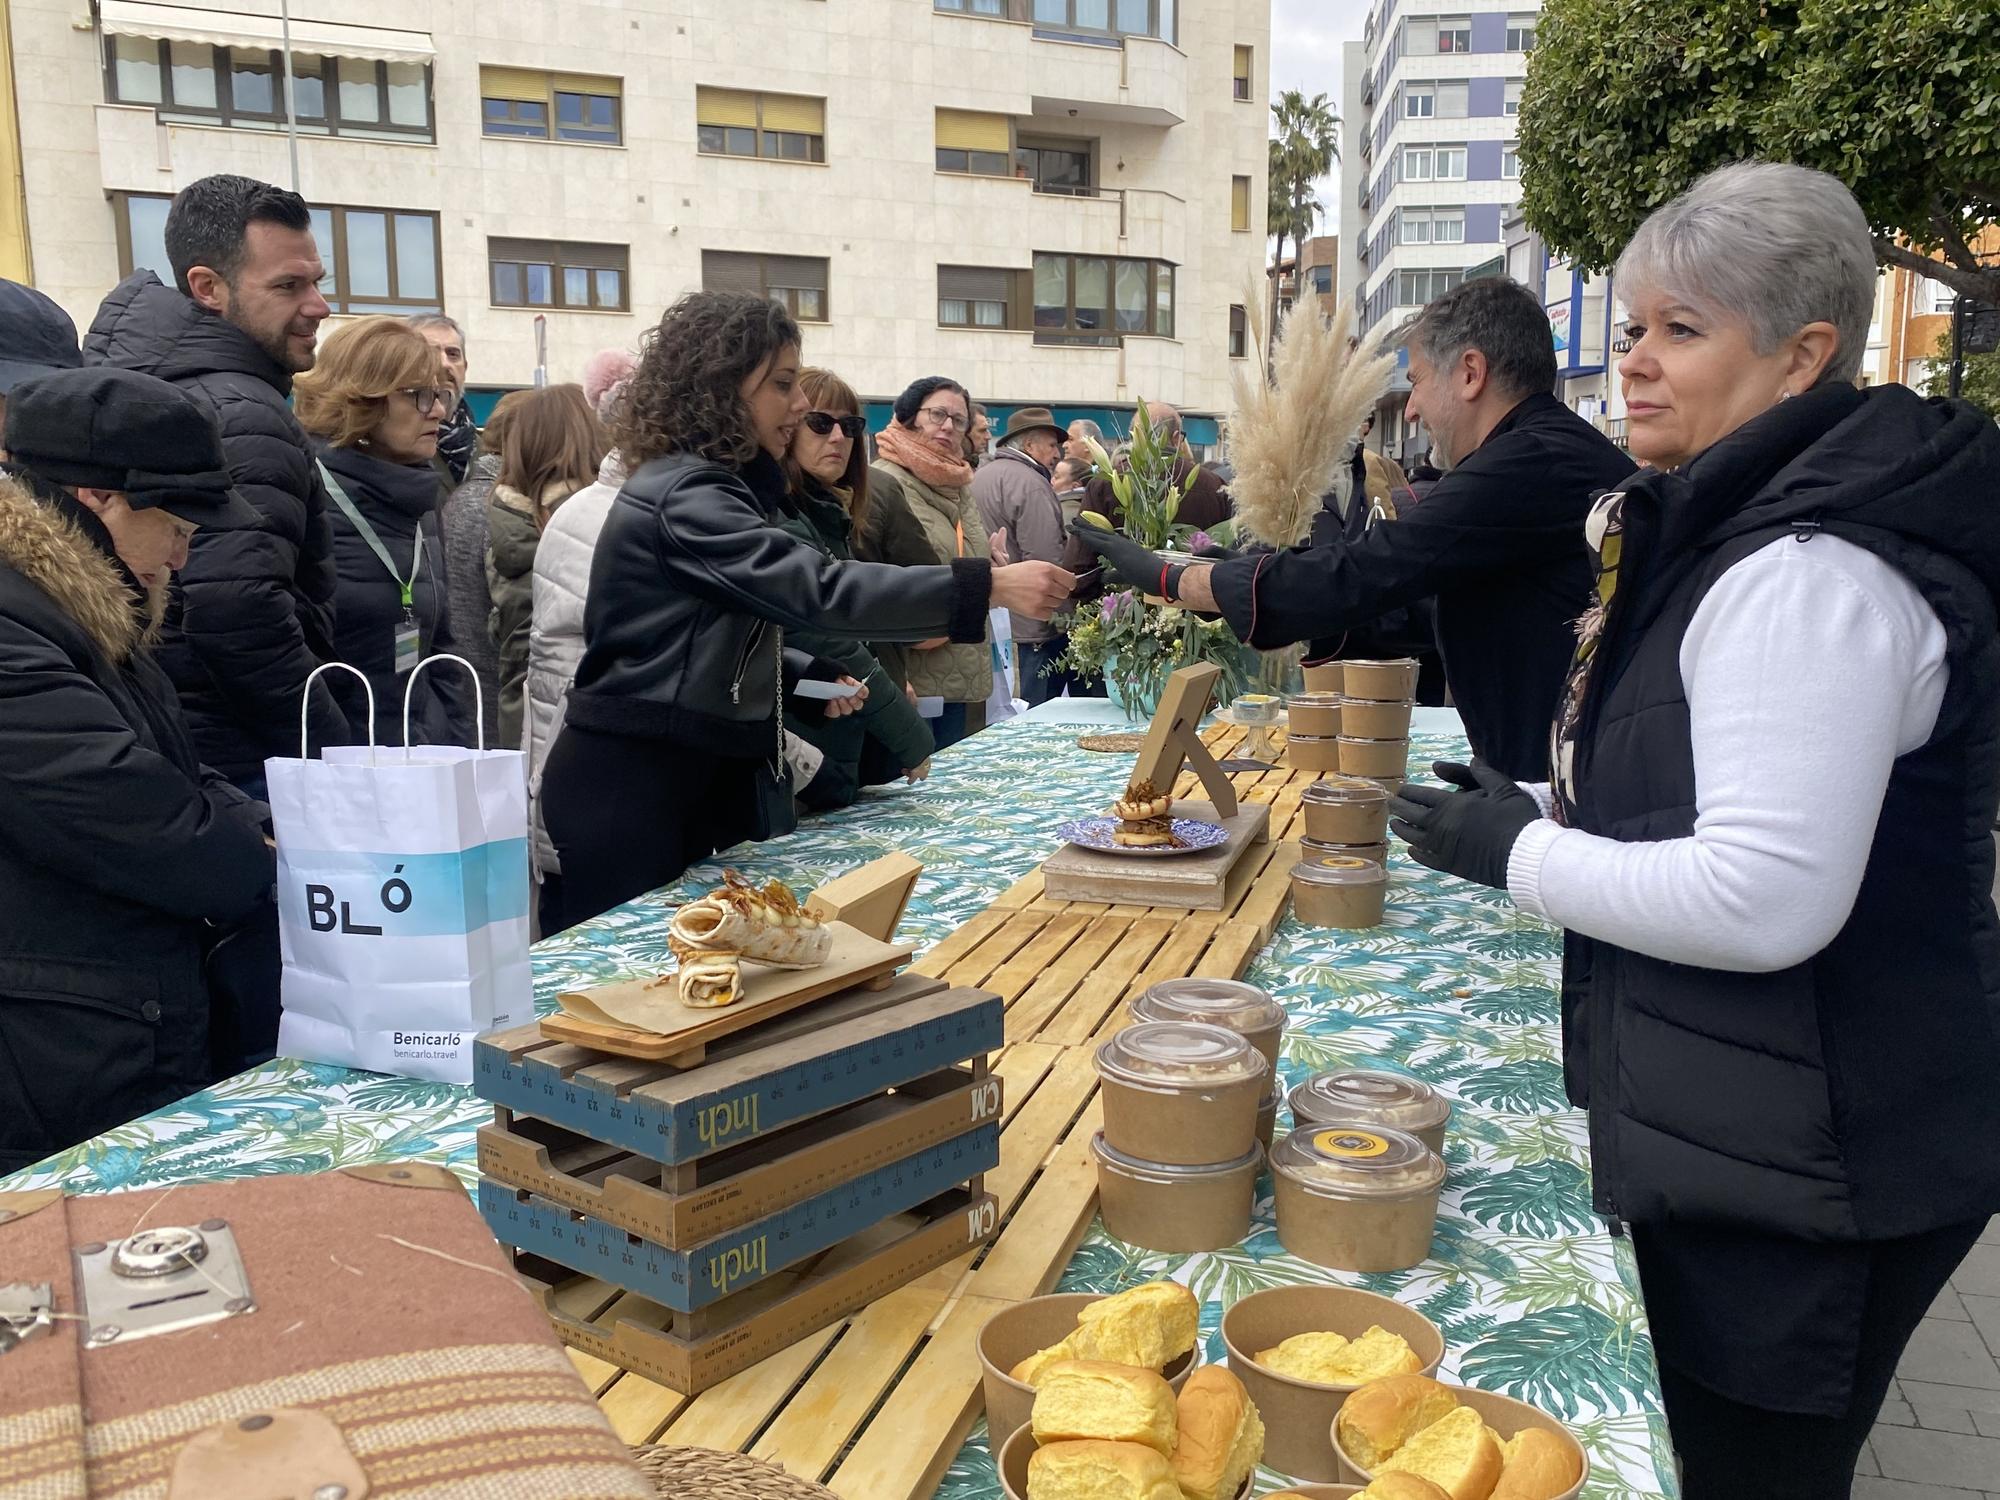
(703, 1474)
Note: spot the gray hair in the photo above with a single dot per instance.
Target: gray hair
(1771, 244)
(1089, 428)
(423, 320)
(1503, 320)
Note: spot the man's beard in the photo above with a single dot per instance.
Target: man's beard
(279, 346)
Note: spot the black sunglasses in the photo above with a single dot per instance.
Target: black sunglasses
(823, 422)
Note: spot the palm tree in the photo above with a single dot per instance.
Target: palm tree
(1305, 143)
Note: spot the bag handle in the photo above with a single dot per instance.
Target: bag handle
(305, 706)
(478, 696)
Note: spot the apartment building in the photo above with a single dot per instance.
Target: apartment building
(1054, 201)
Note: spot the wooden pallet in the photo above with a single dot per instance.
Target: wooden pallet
(878, 1405)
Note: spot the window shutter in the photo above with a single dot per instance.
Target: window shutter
(728, 271)
(795, 112)
(974, 283)
(538, 252)
(1239, 203)
(523, 84)
(589, 83)
(968, 130)
(1243, 62)
(795, 270)
(596, 257)
(725, 107)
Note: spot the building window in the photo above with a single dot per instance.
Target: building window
(1154, 18)
(1244, 61)
(1937, 297)
(777, 127)
(1321, 278)
(980, 144)
(1427, 36)
(1510, 162)
(1063, 169)
(558, 274)
(538, 106)
(1512, 98)
(1415, 288)
(1453, 100)
(1454, 34)
(1418, 164)
(1433, 164)
(243, 87)
(1431, 226)
(1451, 164)
(982, 297)
(1520, 33)
(1419, 101)
(1239, 203)
(1239, 331)
(974, 7)
(799, 282)
(1094, 299)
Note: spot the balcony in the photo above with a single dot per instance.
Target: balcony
(1066, 75)
(1139, 222)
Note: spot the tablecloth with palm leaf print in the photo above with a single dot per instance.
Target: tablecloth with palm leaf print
(1533, 1297)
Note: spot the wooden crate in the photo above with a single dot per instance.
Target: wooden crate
(877, 1404)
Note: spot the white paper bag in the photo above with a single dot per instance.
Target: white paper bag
(403, 894)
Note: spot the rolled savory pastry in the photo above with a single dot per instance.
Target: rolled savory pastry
(765, 926)
(709, 981)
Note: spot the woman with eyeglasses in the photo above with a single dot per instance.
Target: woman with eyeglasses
(828, 469)
(374, 402)
(922, 512)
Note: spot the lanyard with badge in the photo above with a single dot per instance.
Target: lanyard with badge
(408, 635)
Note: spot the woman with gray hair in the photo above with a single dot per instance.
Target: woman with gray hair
(1775, 772)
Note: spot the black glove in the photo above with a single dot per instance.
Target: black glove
(1135, 566)
(1469, 832)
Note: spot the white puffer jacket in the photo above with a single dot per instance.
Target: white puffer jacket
(555, 642)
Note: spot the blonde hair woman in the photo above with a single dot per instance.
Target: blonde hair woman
(374, 402)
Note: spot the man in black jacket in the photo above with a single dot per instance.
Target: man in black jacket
(121, 856)
(252, 613)
(1499, 541)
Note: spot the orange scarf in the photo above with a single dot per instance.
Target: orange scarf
(904, 447)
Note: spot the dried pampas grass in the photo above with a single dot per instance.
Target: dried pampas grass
(1290, 437)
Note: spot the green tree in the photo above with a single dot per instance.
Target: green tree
(1625, 106)
(1981, 385)
(1305, 143)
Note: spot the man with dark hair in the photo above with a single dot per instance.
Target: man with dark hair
(1499, 541)
(36, 339)
(251, 615)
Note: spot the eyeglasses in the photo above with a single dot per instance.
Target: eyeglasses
(940, 417)
(426, 397)
(823, 422)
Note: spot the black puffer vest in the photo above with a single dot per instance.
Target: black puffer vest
(1855, 1096)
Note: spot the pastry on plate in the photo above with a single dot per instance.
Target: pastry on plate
(765, 926)
(1145, 818)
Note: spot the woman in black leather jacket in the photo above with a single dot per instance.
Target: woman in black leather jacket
(672, 745)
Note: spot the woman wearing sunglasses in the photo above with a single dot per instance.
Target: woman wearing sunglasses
(921, 511)
(828, 469)
(374, 402)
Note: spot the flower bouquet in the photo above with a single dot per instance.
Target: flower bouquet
(1135, 646)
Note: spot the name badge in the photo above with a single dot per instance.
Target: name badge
(407, 650)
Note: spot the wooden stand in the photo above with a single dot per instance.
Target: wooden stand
(1211, 880)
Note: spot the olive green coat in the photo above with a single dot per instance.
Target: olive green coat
(913, 524)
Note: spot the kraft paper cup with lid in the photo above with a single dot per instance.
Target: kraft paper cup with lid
(1312, 752)
(1181, 1093)
(1298, 1414)
(1267, 1114)
(1375, 1099)
(1354, 1199)
(1345, 812)
(1326, 677)
(1393, 681)
(1159, 1206)
(1377, 759)
(1508, 1418)
(1315, 851)
(1314, 713)
(1230, 1003)
(1339, 892)
(1370, 720)
(1026, 1328)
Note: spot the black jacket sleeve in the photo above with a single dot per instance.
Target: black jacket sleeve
(239, 613)
(716, 544)
(86, 796)
(1483, 517)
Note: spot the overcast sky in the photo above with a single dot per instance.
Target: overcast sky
(1306, 37)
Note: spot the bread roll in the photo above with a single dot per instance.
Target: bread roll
(1376, 1355)
(1149, 1326)
(1088, 1398)
(1383, 1415)
(1093, 1470)
(1538, 1466)
(1030, 1370)
(1458, 1453)
(1304, 1356)
(1401, 1487)
(1221, 1435)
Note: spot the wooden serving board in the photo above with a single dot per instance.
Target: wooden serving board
(855, 958)
(1209, 880)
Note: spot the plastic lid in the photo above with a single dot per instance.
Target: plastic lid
(1179, 1052)
(1317, 850)
(1313, 700)
(1409, 703)
(1313, 739)
(1369, 1096)
(1343, 791)
(1331, 869)
(1380, 661)
(1357, 739)
(1352, 1161)
(1110, 1156)
(1254, 707)
(1218, 1002)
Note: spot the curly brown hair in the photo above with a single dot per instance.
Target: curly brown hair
(684, 396)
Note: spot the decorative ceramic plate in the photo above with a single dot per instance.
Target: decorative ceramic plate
(1190, 835)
